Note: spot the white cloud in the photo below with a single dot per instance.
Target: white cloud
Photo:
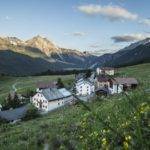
(129, 37)
(113, 13)
(145, 22)
(77, 34)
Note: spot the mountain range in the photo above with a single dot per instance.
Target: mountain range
(18, 57)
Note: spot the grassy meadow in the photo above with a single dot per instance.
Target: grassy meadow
(114, 122)
(28, 83)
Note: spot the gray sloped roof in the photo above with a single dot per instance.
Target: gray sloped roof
(54, 93)
(65, 92)
(84, 81)
(14, 114)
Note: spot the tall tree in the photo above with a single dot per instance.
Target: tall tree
(60, 84)
(12, 101)
(88, 73)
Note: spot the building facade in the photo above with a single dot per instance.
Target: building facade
(51, 98)
(84, 87)
(105, 71)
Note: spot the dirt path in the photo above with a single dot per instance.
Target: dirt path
(14, 88)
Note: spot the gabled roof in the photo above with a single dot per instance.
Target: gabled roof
(79, 76)
(103, 78)
(52, 94)
(14, 114)
(84, 81)
(65, 92)
(127, 81)
(107, 68)
(45, 85)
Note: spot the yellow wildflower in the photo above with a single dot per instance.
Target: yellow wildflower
(104, 141)
(144, 107)
(125, 124)
(128, 138)
(125, 145)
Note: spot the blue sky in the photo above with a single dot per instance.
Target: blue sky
(93, 25)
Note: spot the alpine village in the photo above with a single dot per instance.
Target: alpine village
(86, 87)
(74, 74)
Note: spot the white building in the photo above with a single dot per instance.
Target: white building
(116, 88)
(51, 98)
(116, 85)
(105, 71)
(102, 81)
(84, 87)
(119, 85)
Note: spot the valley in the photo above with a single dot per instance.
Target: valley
(71, 127)
(37, 55)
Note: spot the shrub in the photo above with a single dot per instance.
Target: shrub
(60, 84)
(32, 113)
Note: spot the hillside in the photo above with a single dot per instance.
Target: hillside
(133, 54)
(38, 50)
(115, 122)
(40, 54)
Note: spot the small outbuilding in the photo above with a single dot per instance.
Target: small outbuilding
(105, 71)
(13, 115)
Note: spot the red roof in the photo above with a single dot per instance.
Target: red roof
(103, 79)
(44, 85)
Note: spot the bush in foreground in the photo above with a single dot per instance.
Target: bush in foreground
(124, 126)
(32, 113)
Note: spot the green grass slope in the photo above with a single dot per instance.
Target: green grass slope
(24, 83)
(115, 122)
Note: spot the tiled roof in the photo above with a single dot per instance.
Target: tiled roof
(103, 79)
(53, 93)
(84, 81)
(44, 85)
(127, 81)
(65, 92)
(14, 114)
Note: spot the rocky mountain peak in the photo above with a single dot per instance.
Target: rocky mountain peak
(14, 40)
(43, 44)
